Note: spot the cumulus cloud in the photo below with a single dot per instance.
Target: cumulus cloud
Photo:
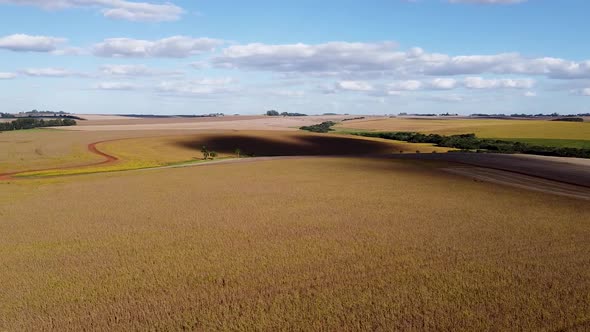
(28, 43)
(443, 83)
(354, 86)
(444, 98)
(116, 9)
(288, 93)
(410, 85)
(197, 88)
(121, 86)
(172, 47)
(134, 70)
(7, 76)
(49, 72)
(381, 60)
(334, 56)
(400, 87)
(505, 83)
(530, 94)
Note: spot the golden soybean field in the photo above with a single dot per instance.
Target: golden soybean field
(308, 244)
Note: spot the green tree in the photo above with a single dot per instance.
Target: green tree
(205, 152)
(238, 152)
(213, 154)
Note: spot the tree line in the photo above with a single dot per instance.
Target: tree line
(470, 143)
(30, 123)
(323, 127)
(276, 113)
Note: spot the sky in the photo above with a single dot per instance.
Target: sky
(246, 57)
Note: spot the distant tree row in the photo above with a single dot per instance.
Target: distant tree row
(569, 119)
(276, 113)
(350, 119)
(30, 123)
(470, 142)
(522, 115)
(323, 127)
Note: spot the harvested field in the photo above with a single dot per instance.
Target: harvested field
(208, 123)
(121, 120)
(308, 244)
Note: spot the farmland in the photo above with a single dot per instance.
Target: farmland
(61, 151)
(333, 234)
(343, 248)
(567, 134)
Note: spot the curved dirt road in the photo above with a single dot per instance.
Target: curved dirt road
(91, 147)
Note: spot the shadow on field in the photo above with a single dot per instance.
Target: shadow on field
(304, 145)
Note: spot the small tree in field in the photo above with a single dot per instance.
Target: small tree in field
(213, 154)
(205, 152)
(238, 152)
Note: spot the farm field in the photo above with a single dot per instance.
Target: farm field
(279, 123)
(339, 233)
(47, 148)
(566, 134)
(319, 243)
(405, 165)
(61, 151)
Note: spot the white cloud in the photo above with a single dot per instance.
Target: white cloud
(481, 83)
(197, 88)
(125, 86)
(49, 72)
(530, 94)
(334, 56)
(442, 83)
(199, 65)
(410, 85)
(28, 43)
(444, 98)
(351, 61)
(172, 47)
(70, 51)
(7, 76)
(585, 92)
(134, 70)
(354, 86)
(116, 9)
(288, 93)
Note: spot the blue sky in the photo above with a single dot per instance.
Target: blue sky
(365, 57)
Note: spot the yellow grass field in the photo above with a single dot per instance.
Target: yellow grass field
(308, 244)
(144, 149)
(486, 128)
(47, 148)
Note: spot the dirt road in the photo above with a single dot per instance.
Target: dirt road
(572, 171)
(91, 147)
